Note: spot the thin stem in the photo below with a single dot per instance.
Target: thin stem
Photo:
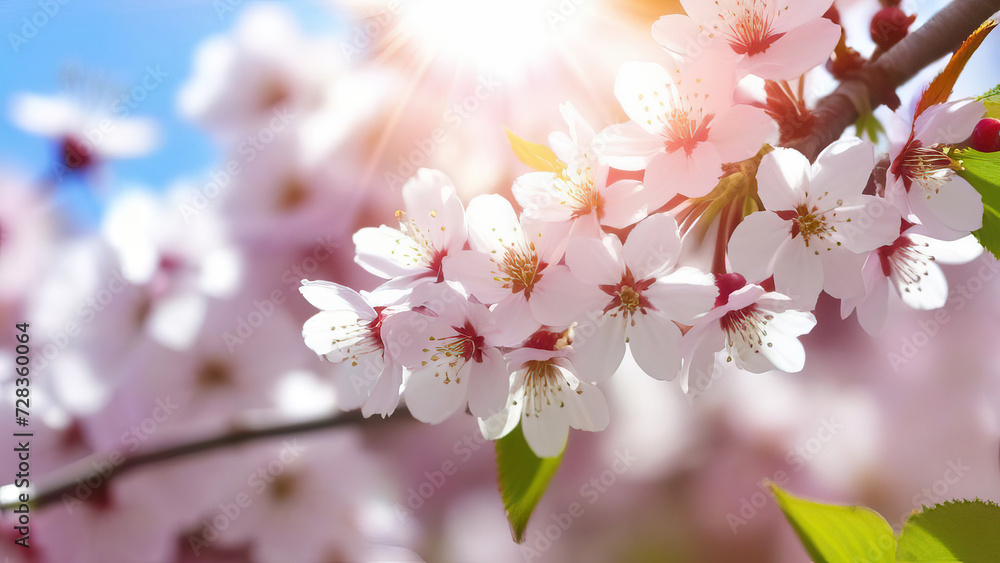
(65, 480)
(877, 80)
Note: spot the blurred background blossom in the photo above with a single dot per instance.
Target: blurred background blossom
(170, 171)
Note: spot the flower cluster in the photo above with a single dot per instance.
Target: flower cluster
(681, 235)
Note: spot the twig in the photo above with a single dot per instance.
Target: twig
(65, 480)
(877, 80)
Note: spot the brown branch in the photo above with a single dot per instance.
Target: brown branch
(67, 479)
(877, 81)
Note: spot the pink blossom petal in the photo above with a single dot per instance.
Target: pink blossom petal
(546, 431)
(654, 341)
(387, 252)
(599, 347)
(489, 384)
(587, 409)
(793, 13)
(956, 206)
(652, 247)
(740, 131)
(679, 34)
(430, 399)
(842, 273)
(514, 317)
(477, 273)
(780, 178)
(753, 248)
(931, 292)
(872, 223)
(627, 146)
(797, 51)
(798, 273)
(433, 206)
(559, 298)
(683, 295)
(693, 175)
(699, 347)
(385, 393)
(625, 203)
(874, 309)
(596, 262)
(948, 123)
(841, 172)
(493, 224)
(639, 87)
(535, 192)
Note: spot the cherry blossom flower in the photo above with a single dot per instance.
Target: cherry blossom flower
(546, 397)
(774, 40)
(86, 133)
(921, 181)
(817, 225)
(179, 263)
(758, 330)
(265, 67)
(350, 333)
(515, 265)
(640, 299)
(297, 488)
(684, 126)
(579, 192)
(910, 265)
(451, 356)
(431, 228)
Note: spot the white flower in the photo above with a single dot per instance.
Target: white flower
(85, 134)
(639, 297)
(684, 126)
(264, 66)
(546, 398)
(778, 40)
(579, 193)
(910, 265)
(180, 263)
(921, 180)
(350, 333)
(817, 223)
(431, 228)
(759, 332)
(447, 344)
(514, 264)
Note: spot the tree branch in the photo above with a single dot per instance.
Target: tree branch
(877, 81)
(65, 480)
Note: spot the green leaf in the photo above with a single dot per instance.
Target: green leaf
(538, 157)
(523, 478)
(964, 530)
(991, 100)
(869, 125)
(838, 534)
(982, 170)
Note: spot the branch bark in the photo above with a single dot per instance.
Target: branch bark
(67, 479)
(877, 81)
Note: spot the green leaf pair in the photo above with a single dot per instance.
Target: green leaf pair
(963, 531)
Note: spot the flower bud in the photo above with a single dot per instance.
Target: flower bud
(889, 25)
(986, 135)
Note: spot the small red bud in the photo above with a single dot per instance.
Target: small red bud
(889, 26)
(833, 14)
(75, 154)
(986, 135)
